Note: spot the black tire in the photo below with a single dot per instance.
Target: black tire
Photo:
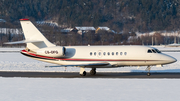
(93, 72)
(84, 73)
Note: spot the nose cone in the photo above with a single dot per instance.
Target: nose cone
(172, 59)
(168, 59)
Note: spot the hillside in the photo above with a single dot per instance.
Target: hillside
(119, 15)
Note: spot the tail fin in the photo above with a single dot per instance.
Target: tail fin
(34, 38)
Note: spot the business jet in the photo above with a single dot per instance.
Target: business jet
(39, 48)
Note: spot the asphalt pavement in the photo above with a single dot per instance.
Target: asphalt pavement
(33, 74)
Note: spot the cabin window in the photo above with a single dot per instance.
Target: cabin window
(99, 53)
(153, 51)
(112, 53)
(95, 53)
(149, 51)
(116, 53)
(108, 53)
(104, 53)
(121, 53)
(90, 53)
(125, 53)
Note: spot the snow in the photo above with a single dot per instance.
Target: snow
(83, 89)
(11, 49)
(85, 28)
(166, 48)
(59, 89)
(163, 33)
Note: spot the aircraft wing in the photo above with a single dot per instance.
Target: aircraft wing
(23, 41)
(83, 65)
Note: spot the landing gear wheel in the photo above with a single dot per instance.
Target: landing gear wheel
(148, 74)
(83, 74)
(93, 71)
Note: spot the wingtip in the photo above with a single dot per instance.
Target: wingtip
(24, 19)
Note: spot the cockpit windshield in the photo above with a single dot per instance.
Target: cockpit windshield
(157, 51)
(153, 51)
(149, 51)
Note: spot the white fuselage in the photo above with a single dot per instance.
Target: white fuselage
(116, 56)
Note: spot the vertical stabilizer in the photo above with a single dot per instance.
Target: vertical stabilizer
(31, 33)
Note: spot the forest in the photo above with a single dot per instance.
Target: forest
(120, 15)
(130, 15)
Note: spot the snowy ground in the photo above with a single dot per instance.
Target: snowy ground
(59, 89)
(84, 89)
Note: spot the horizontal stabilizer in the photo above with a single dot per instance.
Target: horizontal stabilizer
(23, 41)
(82, 65)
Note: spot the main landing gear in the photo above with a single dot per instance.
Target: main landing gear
(93, 71)
(83, 72)
(148, 69)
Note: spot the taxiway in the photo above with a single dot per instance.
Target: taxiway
(76, 75)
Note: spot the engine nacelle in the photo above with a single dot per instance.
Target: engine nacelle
(57, 51)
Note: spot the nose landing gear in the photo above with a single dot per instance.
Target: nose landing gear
(148, 69)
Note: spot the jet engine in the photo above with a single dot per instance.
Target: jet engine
(52, 51)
